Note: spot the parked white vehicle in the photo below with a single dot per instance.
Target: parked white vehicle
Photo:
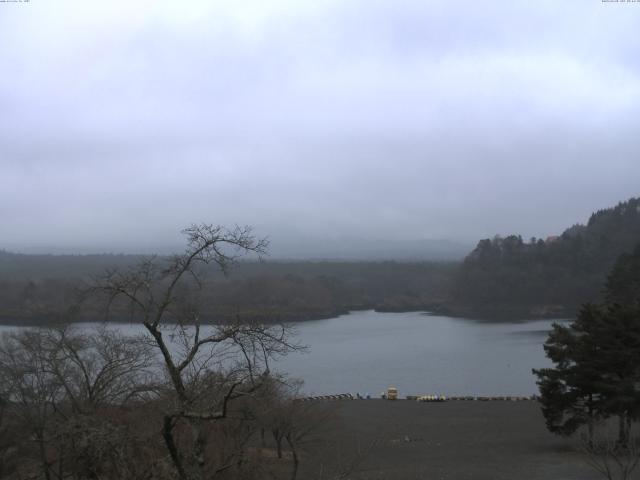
(431, 398)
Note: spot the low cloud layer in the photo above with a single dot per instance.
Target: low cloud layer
(122, 122)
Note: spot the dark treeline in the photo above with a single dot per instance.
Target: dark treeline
(502, 277)
(37, 289)
(177, 402)
(547, 277)
(15, 266)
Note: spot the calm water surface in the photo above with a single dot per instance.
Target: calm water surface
(416, 352)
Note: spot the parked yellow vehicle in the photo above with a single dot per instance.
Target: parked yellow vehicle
(392, 393)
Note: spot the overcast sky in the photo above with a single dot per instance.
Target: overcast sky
(124, 121)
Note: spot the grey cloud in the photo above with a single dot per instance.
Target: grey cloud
(122, 123)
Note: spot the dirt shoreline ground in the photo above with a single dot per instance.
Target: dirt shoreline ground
(455, 440)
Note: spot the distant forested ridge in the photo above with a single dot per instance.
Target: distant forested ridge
(546, 277)
(502, 277)
(37, 289)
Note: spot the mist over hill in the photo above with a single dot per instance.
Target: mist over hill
(550, 276)
(281, 247)
(503, 277)
(366, 249)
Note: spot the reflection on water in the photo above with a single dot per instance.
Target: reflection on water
(418, 353)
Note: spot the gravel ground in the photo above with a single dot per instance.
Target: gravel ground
(454, 440)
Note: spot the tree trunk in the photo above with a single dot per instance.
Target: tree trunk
(199, 443)
(294, 454)
(278, 438)
(623, 433)
(590, 422)
(167, 434)
(43, 457)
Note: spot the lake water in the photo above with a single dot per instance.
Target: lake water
(418, 353)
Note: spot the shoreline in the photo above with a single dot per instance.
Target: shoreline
(497, 315)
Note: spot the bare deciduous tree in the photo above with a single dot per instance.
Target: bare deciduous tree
(32, 391)
(98, 367)
(208, 367)
(55, 381)
(612, 459)
(186, 399)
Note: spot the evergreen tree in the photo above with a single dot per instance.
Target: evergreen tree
(569, 393)
(597, 359)
(623, 283)
(559, 273)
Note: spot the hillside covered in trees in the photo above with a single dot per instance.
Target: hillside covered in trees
(41, 288)
(501, 278)
(510, 276)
